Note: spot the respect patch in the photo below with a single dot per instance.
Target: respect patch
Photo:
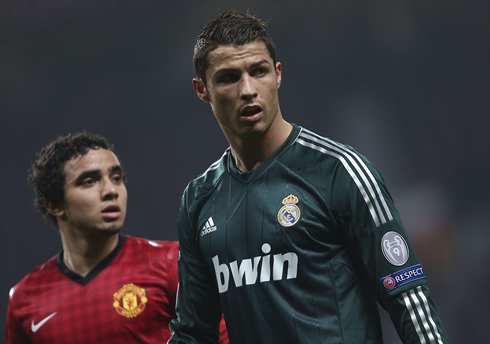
(401, 277)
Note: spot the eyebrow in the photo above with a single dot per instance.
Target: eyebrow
(116, 168)
(85, 174)
(253, 65)
(258, 63)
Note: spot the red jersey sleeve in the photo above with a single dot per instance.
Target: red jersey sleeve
(172, 277)
(14, 334)
(223, 334)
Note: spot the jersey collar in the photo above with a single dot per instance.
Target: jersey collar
(96, 270)
(247, 177)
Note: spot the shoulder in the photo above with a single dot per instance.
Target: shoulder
(330, 164)
(323, 149)
(160, 258)
(158, 247)
(38, 276)
(313, 154)
(208, 179)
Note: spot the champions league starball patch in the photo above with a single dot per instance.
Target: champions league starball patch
(402, 277)
(394, 248)
(289, 214)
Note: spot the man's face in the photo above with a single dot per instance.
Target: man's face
(242, 84)
(95, 194)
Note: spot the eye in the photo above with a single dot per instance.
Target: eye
(117, 178)
(228, 78)
(88, 182)
(260, 71)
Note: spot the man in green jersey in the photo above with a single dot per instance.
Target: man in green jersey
(292, 235)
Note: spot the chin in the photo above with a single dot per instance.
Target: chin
(252, 132)
(112, 229)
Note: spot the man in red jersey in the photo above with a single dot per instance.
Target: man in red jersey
(103, 287)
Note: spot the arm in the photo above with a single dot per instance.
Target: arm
(382, 251)
(173, 282)
(172, 278)
(415, 317)
(223, 333)
(198, 306)
(14, 334)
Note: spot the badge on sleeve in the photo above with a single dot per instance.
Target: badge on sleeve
(404, 276)
(394, 248)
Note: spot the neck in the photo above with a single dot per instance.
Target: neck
(81, 253)
(250, 153)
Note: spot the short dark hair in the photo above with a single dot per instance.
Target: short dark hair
(47, 173)
(229, 29)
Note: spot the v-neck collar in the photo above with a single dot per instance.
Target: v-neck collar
(96, 270)
(247, 177)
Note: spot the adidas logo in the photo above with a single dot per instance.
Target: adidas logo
(208, 227)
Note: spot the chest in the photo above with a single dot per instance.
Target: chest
(277, 213)
(114, 306)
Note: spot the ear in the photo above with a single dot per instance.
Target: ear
(200, 89)
(278, 73)
(55, 210)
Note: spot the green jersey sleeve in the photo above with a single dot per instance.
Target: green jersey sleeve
(381, 251)
(197, 308)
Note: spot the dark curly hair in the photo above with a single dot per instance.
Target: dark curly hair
(229, 29)
(47, 173)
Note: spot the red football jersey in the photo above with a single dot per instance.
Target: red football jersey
(129, 297)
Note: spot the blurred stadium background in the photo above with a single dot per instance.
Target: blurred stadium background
(406, 83)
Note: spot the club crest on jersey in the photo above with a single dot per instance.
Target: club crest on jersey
(289, 214)
(395, 248)
(130, 300)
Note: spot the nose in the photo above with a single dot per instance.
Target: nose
(248, 90)
(109, 190)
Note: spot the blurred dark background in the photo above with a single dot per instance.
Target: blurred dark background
(406, 83)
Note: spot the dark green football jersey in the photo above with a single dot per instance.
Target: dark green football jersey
(298, 251)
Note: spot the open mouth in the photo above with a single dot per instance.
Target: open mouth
(250, 111)
(111, 212)
(111, 209)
